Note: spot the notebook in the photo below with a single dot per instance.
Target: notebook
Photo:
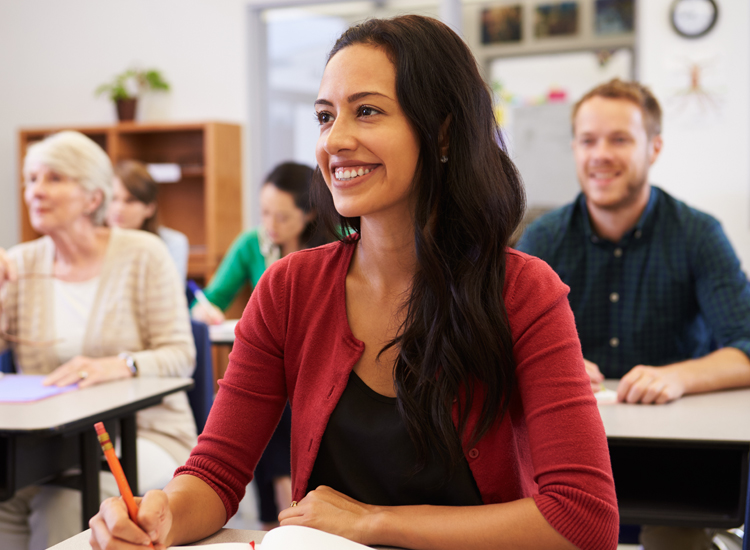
(22, 388)
(289, 537)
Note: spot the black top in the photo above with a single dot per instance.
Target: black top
(367, 454)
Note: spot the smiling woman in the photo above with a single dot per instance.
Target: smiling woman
(439, 396)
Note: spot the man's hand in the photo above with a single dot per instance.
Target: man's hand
(595, 375)
(657, 385)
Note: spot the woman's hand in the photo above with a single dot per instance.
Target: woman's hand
(328, 510)
(88, 371)
(207, 313)
(111, 526)
(8, 273)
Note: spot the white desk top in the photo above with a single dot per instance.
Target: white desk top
(717, 416)
(223, 333)
(60, 410)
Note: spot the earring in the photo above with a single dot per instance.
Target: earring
(443, 159)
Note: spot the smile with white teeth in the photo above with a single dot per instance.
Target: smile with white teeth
(603, 175)
(347, 174)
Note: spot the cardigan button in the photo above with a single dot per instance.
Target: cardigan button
(473, 453)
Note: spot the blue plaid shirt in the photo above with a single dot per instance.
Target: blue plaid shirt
(670, 290)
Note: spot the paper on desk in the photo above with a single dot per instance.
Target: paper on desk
(289, 537)
(22, 388)
(224, 331)
(606, 396)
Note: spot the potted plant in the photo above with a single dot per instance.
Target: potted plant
(125, 88)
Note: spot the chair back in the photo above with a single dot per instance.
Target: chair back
(201, 397)
(6, 362)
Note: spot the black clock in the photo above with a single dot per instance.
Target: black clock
(693, 18)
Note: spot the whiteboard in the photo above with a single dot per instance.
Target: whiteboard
(537, 129)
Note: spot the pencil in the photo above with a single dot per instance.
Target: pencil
(116, 467)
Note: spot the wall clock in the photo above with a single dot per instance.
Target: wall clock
(693, 18)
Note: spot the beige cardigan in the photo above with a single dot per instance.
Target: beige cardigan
(140, 308)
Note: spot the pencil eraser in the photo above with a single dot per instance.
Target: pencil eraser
(99, 426)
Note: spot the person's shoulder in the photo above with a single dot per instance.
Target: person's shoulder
(553, 219)
(544, 234)
(689, 218)
(530, 279)
(172, 235)
(518, 262)
(31, 250)
(30, 246)
(127, 244)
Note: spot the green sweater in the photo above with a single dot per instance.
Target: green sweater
(247, 259)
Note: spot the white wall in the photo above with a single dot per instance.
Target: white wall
(706, 156)
(54, 54)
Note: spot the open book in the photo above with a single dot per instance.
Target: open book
(289, 537)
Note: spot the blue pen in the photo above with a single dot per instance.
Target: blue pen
(198, 293)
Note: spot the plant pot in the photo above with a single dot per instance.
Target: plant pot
(126, 109)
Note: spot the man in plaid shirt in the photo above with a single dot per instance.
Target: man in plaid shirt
(656, 288)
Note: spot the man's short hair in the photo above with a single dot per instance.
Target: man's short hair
(629, 91)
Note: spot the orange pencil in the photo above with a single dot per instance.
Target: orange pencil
(116, 467)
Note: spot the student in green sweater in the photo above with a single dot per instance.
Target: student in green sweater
(289, 223)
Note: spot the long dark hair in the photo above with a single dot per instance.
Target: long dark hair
(136, 178)
(295, 179)
(455, 341)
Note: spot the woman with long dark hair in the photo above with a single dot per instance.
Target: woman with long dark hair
(288, 223)
(438, 391)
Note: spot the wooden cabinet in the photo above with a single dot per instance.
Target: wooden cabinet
(205, 205)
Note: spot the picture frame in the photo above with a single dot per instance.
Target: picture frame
(556, 19)
(502, 24)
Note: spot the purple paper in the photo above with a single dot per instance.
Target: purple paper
(22, 388)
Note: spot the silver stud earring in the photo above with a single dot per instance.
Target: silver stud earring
(443, 159)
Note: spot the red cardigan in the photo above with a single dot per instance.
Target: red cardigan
(294, 342)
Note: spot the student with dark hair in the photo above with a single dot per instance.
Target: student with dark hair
(288, 223)
(134, 206)
(439, 398)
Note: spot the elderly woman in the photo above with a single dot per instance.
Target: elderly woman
(87, 304)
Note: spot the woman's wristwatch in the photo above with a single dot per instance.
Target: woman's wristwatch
(130, 362)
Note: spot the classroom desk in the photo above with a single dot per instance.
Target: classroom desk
(685, 463)
(41, 440)
(222, 339)
(223, 334)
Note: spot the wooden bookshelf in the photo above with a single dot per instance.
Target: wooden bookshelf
(205, 205)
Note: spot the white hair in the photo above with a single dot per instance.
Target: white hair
(79, 158)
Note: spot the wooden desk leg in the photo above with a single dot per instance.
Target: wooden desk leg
(129, 451)
(90, 466)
